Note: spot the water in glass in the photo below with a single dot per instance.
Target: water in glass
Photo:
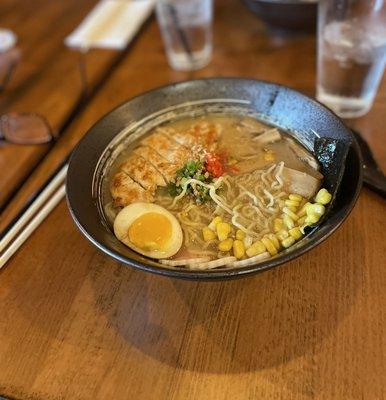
(351, 61)
(186, 27)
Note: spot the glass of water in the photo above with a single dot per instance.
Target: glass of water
(186, 28)
(351, 54)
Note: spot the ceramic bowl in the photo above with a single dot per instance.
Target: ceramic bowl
(302, 117)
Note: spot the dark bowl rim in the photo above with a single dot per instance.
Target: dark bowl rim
(214, 275)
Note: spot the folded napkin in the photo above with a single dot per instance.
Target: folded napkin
(110, 24)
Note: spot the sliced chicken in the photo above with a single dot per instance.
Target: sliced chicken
(177, 136)
(142, 172)
(167, 148)
(154, 163)
(207, 133)
(185, 138)
(300, 182)
(125, 191)
(202, 133)
(166, 169)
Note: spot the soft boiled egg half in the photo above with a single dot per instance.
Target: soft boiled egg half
(149, 229)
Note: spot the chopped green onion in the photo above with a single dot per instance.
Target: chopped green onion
(192, 169)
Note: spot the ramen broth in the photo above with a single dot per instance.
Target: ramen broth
(247, 174)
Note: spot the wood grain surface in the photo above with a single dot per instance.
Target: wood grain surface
(77, 325)
(47, 80)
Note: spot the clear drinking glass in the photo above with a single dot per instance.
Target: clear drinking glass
(186, 28)
(351, 54)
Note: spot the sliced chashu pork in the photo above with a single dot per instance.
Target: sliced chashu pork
(168, 148)
(142, 172)
(166, 169)
(300, 182)
(125, 191)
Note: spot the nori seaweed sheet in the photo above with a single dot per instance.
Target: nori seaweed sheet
(331, 154)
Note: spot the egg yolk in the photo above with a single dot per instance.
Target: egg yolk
(151, 231)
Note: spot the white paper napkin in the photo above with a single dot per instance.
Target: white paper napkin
(111, 24)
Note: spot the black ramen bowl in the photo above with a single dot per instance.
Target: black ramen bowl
(302, 117)
(286, 14)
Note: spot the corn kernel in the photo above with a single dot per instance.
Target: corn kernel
(217, 220)
(238, 249)
(277, 224)
(240, 235)
(274, 240)
(292, 208)
(323, 196)
(295, 233)
(223, 230)
(287, 211)
(302, 203)
(288, 221)
(269, 245)
(282, 234)
(295, 197)
(308, 207)
(256, 248)
(269, 156)
(316, 208)
(225, 245)
(247, 241)
(312, 219)
(303, 211)
(288, 242)
(208, 234)
(213, 224)
(301, 220)
(292, 203)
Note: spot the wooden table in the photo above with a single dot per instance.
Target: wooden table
(50, 79)
(77, 325)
